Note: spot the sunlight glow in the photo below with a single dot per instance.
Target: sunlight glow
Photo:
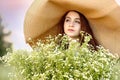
(118, 2)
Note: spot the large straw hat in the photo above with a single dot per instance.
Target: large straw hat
(103, 15)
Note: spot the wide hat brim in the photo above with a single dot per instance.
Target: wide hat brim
(103, 15)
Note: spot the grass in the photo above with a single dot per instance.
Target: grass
(4, 70)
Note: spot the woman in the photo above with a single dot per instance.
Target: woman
(72, 23)
(43, 16)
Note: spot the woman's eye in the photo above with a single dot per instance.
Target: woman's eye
(67, 20)
(77, 22)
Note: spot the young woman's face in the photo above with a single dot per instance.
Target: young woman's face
(72, 24)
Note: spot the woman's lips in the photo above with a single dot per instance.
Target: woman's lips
(71, 30)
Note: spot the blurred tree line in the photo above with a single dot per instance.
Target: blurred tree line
(4, 45)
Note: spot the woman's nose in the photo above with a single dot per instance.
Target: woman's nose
(71, 24)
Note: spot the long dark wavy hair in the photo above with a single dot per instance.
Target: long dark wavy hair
(84, 27)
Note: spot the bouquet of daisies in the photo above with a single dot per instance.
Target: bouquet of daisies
(55, 60)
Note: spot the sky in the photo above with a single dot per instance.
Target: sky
(13, 14)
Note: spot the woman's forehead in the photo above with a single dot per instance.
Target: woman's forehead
(72, 14)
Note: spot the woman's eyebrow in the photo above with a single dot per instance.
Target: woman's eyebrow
(77, 18)
(67, 17)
